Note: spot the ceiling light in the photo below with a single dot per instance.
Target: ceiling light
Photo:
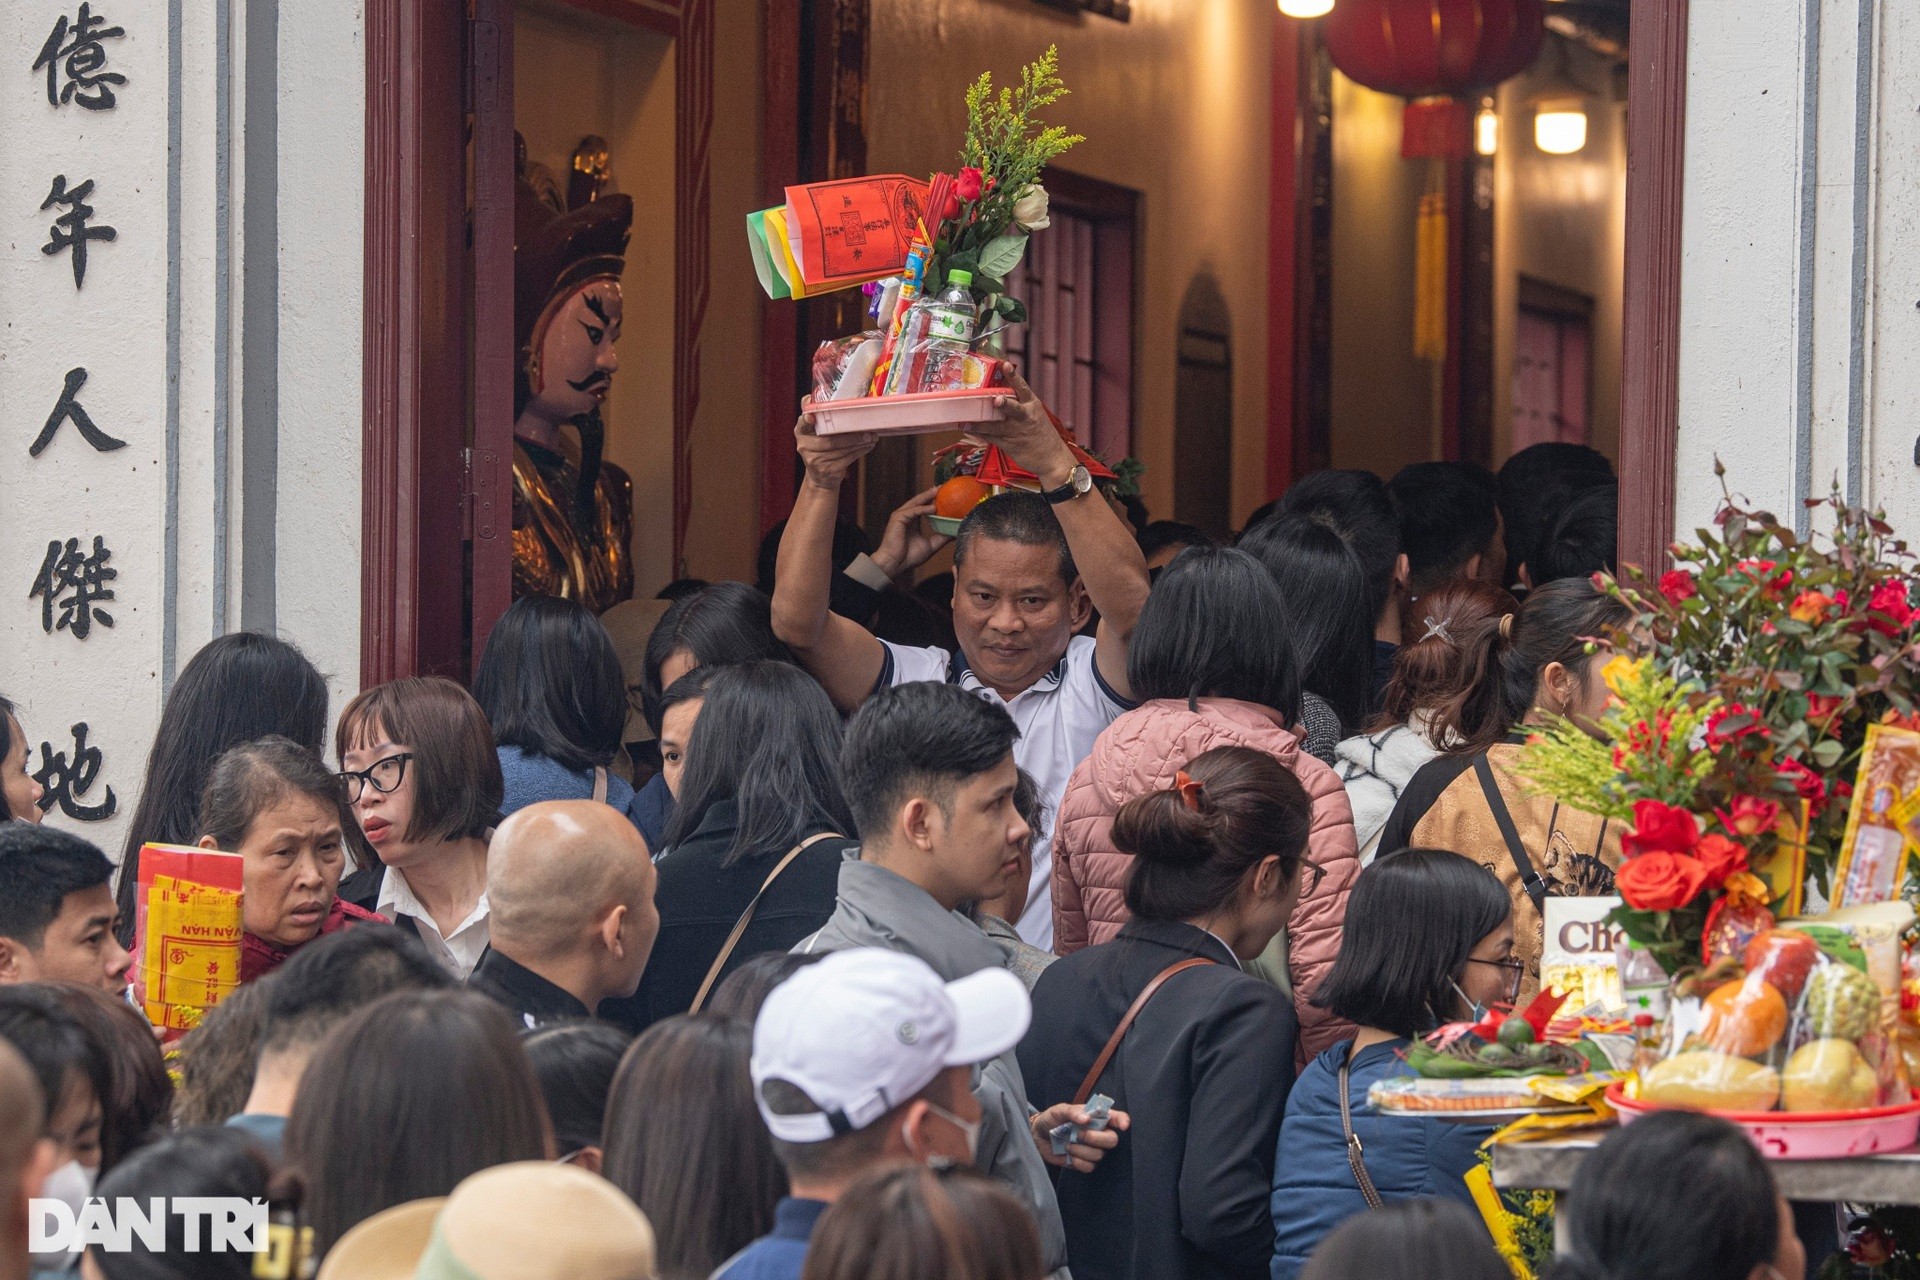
(1560, 129)
(1306, 8)
(1486, 131)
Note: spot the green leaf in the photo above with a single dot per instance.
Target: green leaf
(1011, 308)
(1001, 256)
(1827, 753)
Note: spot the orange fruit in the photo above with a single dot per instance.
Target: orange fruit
(958, 496)
(1746, 1017)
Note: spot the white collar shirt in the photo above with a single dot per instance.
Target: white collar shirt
(459, 951)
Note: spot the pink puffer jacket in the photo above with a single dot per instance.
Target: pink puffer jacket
(1141, 752)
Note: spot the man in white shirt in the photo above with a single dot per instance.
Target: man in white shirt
(1029, 570)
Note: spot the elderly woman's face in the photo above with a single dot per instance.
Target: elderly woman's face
(294, 856)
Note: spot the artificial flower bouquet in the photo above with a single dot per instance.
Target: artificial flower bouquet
(934, 258)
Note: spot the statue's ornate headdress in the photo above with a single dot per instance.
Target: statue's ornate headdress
(554, 253)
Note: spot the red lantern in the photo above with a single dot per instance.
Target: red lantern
(1433, 49)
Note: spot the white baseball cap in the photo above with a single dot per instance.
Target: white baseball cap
(863, 1031)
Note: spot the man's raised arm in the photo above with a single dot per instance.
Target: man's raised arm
(841, 654)
(1103, 546)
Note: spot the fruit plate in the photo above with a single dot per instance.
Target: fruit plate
(946, 526)
(1806, 1135)
(921, 413)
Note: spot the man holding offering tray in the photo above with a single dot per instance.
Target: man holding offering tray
(1029, 570)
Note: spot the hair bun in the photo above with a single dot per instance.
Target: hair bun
(1161, 827)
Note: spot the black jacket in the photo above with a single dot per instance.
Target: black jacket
(528, 998)
(1203, 1074)
(700, 901)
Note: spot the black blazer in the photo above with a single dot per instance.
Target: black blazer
(700, 901)
(1203, 1074)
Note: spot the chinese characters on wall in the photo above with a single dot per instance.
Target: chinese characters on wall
(73, 583)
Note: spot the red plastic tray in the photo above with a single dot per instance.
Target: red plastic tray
(921, 413)
(1806, 1135)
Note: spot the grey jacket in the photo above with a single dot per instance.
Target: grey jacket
(878, 908)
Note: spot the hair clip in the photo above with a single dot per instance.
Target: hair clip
(1506, 626)
(1435, 627)
(1190, 789)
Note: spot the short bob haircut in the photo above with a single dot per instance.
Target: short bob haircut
(1235, 655)
(1413, 919)
(718, 625)
(458, 786)
(550, 683)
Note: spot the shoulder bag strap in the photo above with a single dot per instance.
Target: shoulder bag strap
(1529, 878)
(1085, 1090)
(1356, 1155)
(599, 785)
(746, 917)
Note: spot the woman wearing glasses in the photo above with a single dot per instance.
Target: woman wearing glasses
(1165, 1021)
(1429, 940)
(275, 804)
(418, 763)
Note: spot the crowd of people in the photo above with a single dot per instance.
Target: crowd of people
(1050, 920)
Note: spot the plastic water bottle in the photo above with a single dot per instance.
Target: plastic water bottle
(954, 315)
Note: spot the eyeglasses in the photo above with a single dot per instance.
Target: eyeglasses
(1311, 874)
(1517, 968)
(382, 775)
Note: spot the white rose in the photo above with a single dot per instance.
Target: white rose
(1030, 210)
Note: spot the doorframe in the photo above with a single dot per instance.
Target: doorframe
(1650, 355)
(432, 497)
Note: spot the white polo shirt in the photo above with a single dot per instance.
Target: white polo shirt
(458, 952)
(1058, 718)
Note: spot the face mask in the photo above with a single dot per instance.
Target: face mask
(1475, 1010)
(70, 1184)
(971, 1128)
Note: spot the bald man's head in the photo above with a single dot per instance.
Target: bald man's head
(24, 1155)
(556, 872)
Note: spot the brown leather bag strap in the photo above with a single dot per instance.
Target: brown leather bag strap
(1085, 1090)
(746, 917)
(1356, 1154)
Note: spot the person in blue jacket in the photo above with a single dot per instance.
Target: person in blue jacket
(1428, 939)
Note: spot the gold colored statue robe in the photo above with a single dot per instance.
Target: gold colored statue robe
(551, 557)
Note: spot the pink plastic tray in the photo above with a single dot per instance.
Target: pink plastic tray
(1807, 1135)
(911, 415)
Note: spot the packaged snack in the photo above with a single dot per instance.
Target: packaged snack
(1884, 821)
(1577, 958)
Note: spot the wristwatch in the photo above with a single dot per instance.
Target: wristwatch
(1079, 484)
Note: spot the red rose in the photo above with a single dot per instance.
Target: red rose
(1750, 816)
(1823, 709)
(1811, 786)
(1660, 828)
(1842, 600)
(1721, 857)
(1891, 603)
(1660, 881)
(1762, 572)
(969, 184)
(951, 209)
(1678, 585)
(1732, 723)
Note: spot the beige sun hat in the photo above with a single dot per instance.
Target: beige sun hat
(526, 1221)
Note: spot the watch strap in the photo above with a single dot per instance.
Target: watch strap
(1072, 488)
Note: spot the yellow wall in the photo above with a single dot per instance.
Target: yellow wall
(1562, 219)
(1382, 396)
(1174, 104)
